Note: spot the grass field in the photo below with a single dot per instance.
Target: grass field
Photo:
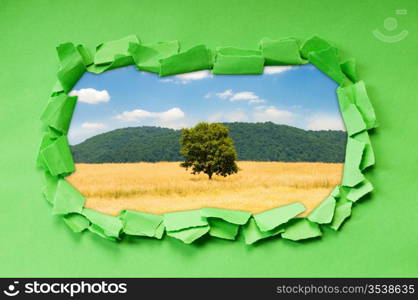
(164, 186)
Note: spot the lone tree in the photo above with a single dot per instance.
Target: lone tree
(207, 148)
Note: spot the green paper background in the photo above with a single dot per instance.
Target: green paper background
(380, 239)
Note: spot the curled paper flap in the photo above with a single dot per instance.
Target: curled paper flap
(72, 66)
(272, 218)
(222, 229)
(356, 94)
(359, 191)
(142, 224)
(48, 138)
(85, 54)
(368, 158)
(342, 212)
(104, 225)
(364, 105)
(253, 234)
(194, 59)
(57, 157)
(76, 222)
(231, 60)
(106, 52)
(50, 187)
(231, 216)
(147, 57)
(301, 229)
(67, 199)
(336, 192)
(184, 219)
(323, 213)
(315, 44)
(349, 69)
(281, 52)
(352, 174)
(327, 61)
(352, 119)
(189, 235)
(59, 112)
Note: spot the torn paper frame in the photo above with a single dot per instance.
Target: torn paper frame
(166, 58)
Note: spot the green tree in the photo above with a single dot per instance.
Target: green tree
(207, 148)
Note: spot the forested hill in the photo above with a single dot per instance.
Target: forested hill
(253, 141)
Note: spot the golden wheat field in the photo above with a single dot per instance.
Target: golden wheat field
(165, 186)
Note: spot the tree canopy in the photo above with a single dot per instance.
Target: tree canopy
(208, 148)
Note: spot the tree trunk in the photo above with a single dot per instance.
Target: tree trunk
(210, 175)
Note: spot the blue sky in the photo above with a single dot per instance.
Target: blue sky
(299, 96)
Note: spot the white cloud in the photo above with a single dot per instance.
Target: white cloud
(188, 77)
(244, 96)
(198, 75)
(140, 114)
(225, 94)
(269, 70)
(91, 96)
(251, 97)
(93, 126)
(325, 122)
(273, 114)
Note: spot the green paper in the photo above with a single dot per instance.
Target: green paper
(184, 219)
(59, 112)
(281, 52)
(352, 119)
(104, 225)
(359, 191)
(314, 44)
(368, 155)
(327, 61)
(324, 212)
(349, 69)
(253, 234)
(106, 52)
(387, 68)
(194, 59)
(119, 61)
(57, 89)
(353, 156)
(49, 136)
(189, 235)
(231, 60)
(72, 66)
(67, 199)
(50, 187)
(142, 224)
(301, 229)
(57, 157)
(147, 57)
(336, 191)
(363, 103)
(85, 55)
(76, 222)
(342, 212)
(272, 218)
(357, 94)
(229, 215)
(222, 229)
(159, 232)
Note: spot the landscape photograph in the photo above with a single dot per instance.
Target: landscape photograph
(244, 142)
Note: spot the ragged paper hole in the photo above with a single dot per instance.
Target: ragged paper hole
(285, 126)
